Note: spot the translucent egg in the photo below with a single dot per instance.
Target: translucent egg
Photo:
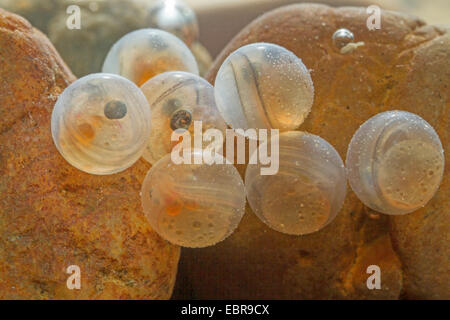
(342, 37)
(145, 53)
(263, 86)
(177, 100)
(307, 192)
(395, 162)
(101, 123)
(193, 205)
(176, 17)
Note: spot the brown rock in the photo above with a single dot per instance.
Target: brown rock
(52, 215)
(422, 239)
(405, 65)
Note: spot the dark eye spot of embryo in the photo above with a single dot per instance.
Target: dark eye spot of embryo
(181, 119)
(115, 110)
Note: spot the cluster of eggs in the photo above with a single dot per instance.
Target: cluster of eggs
(150, 89)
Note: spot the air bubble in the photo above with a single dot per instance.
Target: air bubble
(342, 37)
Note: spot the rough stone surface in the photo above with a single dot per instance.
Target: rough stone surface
(406, 66)
(52, 215)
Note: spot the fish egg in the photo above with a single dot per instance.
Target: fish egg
(308, 190)
(176, 17)
(180, 102)
(395, 162)
(262, 86)
(143, 54)
(101, 124)
(204, 203)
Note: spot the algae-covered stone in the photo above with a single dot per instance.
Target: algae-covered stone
(102, 23)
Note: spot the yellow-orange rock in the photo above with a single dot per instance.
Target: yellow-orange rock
(52, 215)
(405, 65)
